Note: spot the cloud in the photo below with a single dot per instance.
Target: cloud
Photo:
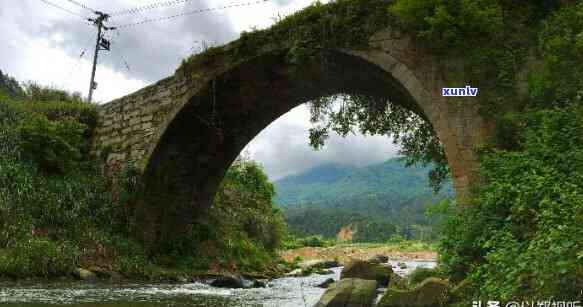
(44, 44)
(283, 2)
(153, 50)
(282, 148)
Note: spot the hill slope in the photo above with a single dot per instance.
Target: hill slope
(378, 197)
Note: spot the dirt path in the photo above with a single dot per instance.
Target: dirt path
(346, 252)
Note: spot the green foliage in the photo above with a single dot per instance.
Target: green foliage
(493, 37)
(9, 88)
(452, 23)
(313, 241)
(248, 177)
(38, 93)
(522, 237)
(560, 80)
(38, 257)
(378, 116)
(57, 211)
(245, 228)
(248, 228)
(311, 31)
(419, 274)
(49, 191)
(55, 146)
(376, 201)
(374, 232)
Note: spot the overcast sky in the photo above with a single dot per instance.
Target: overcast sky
(45, 44)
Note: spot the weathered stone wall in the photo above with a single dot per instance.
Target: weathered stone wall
(130, 127)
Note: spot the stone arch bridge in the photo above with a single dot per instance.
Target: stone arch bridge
(168, 129)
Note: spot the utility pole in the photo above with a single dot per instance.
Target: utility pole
(101, 44)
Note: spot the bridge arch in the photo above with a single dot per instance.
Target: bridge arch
(185, 131)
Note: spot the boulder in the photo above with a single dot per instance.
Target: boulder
(308, 271)
(179, 279)
(398, 282)
(378, 259)
(257, 283)
(402, 265)
(295, 273)
(419, 274)
(318, 264)
(229, 280)
(326, 283)
(115, 276)
(100, 272)
(249, 283)
(104, 273)
(84, 274)
(430, 293)
(349, 292)
(369, 271)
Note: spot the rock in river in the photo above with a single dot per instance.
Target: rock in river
(378, 259)
(367, 270)
(318, 264)
(430, 293)
(84, 274)
(349, 292)
(236, 281)
(326, 283)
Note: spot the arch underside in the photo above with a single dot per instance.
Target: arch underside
(212, 128)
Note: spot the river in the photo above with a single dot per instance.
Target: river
(282, 292)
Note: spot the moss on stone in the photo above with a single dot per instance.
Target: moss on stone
(341, 24)
(349, 292)
(369, 271)
(431, 292)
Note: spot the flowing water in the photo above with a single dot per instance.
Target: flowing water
(283, 292)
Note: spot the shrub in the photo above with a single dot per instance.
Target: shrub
(522, 236)
(419, 274)
(55, 146)
(313, 241)
(38, 258)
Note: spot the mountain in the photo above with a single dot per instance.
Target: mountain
(328, 197)
(336, 181)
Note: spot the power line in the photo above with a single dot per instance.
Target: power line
(120, 57)
(82, 5)
(144, 8)
(75, 66)
(199, 11)
(63, 9)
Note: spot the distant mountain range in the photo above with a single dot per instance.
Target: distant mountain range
(327, 197)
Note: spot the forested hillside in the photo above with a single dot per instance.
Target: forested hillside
(378, 201)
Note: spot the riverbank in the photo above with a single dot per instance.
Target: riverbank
(277, 267)
(402, 251)
(281, 292)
